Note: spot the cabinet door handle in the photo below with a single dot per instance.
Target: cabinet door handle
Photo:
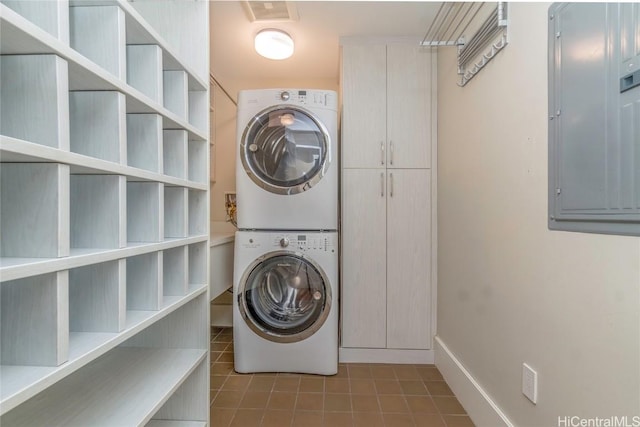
(381, 184)
(382, 152)
(391, 184)
(391, 153)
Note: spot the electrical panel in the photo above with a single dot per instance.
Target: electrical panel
(594, 117)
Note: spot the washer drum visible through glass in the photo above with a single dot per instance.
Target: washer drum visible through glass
(284, 297)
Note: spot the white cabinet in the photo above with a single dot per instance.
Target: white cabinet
(104, 211)
(364, 266)
(386, 258)
(387, 201)
(387, 115)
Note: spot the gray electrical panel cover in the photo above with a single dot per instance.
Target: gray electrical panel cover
(594, 117)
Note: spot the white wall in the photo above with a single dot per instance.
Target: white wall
(509, 290)
(224, 130)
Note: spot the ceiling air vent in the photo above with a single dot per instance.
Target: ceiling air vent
(270, 10)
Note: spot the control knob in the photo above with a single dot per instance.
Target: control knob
(284, 242)
(284, 96)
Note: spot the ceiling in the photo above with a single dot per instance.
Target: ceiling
(316, 35)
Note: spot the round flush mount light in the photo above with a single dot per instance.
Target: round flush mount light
(274, 44)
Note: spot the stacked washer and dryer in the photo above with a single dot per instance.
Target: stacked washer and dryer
(285, 286)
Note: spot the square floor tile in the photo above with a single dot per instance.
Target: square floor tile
(421, 404)
(338, 419)
(310, 402)
(368, 419)
(337, 402)
(448, 405)
(254, 400)
(438, 388)
(273, 418)
(307, 418)
(365, 403)
(282, 400)
(247, 418)
(393, 403)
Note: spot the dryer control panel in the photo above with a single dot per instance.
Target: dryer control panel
(300, 242)
(313, 98)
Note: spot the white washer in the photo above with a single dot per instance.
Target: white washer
(287, 168)
(285, 305)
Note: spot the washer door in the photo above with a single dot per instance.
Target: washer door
(284, 297)
(284, 150)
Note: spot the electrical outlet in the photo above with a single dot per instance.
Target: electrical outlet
(529, 383)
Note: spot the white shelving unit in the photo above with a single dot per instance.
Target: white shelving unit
(104, 213)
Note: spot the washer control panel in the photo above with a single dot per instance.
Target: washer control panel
(301, 242)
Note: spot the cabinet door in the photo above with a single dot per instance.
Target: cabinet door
(409, 259)
(363, 258)
(408, 106)
(364, 106)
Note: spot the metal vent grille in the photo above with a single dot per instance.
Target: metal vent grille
(271, 11)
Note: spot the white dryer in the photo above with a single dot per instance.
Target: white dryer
(285, 305)
(287, 168)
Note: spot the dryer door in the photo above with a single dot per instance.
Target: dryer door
(284, 149)
(284, 297)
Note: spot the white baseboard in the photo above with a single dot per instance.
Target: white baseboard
(481, 408)
(385, 355)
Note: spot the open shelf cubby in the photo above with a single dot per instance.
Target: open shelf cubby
(98, 33)
(198, 111)
(98, 124)
(175, 212)
(144, 141)
(34, 210)
(175, 154)
(198, 274)
(175, 273)
(198, 213)
(51, 16)
(144, 281)
(198, 158)
(97, 297)
(34, 320)
(144, 70)
(176, 86)
(145, 211)
(34, 99)
(98, 211)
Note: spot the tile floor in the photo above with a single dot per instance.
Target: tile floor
(359, 395)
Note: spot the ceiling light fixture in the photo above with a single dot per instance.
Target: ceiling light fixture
(274, 44)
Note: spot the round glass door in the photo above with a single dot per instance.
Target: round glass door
(284, 297)
(285, 150)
